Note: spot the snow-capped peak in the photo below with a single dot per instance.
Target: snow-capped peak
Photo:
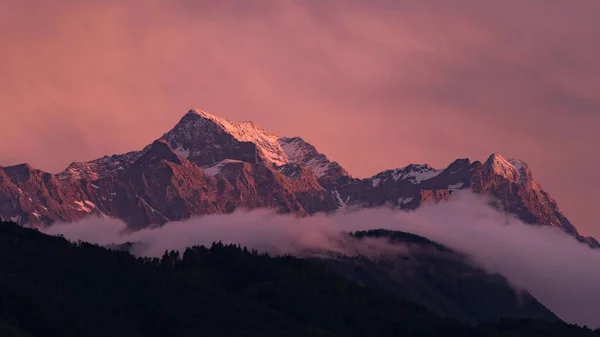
(512, 169)
(207, 139)
(206, 115)
(273, 149)
(267, 143)
(216, 168)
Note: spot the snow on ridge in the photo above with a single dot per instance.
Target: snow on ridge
(414, 173)
(182, 152)
(275, 149)
(216, 168)
(302, 153)
(375, 182)
(512, 169)
(342, 204)
(455, 187)
(266, 142)
(417, 174)
(99, 168)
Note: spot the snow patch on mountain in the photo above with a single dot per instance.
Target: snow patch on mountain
(455, 187)
(106, 166)
(274, 149)
(417, 173)
(215, 169)
(302, 153)
(375, 182)
(152, 209)
(266, 142)
(341, 202)
(413, 173)
(182, 152)
(512, 169)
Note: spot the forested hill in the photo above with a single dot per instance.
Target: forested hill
(51, 287)
(444, 280)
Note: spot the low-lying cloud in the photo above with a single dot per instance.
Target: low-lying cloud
(559, 271)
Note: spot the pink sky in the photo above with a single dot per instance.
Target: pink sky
(373, 84)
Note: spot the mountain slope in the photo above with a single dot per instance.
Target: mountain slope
(206, 164)
(421, 271)
(51, 287)
(437, 277)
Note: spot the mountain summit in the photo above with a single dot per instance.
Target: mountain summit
(206, 164)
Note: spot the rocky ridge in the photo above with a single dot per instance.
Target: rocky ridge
(207, 164)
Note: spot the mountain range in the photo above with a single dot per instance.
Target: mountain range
(206, 164)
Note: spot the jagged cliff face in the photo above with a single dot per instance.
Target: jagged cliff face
(207, 164)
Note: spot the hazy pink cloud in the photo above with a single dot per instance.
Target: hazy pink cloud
(373, 84)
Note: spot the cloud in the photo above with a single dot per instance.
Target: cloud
(552, 266)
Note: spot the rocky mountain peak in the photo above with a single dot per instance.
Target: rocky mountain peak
(201, 113)
(20, 172)
(514, 170)
(198, 131)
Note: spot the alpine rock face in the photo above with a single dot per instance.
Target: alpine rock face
(207, 165)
